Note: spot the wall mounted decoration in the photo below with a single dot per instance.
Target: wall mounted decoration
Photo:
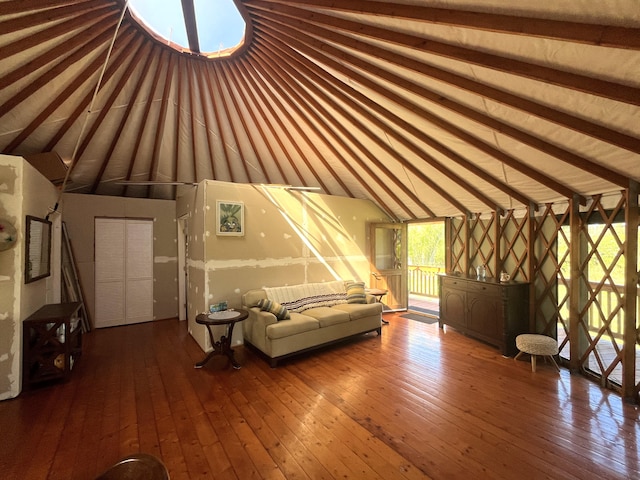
(8, 234)
(230, 218)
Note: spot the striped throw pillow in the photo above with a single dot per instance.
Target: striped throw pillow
(355, 292)
(278, 310)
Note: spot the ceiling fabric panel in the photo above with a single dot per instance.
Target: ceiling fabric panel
(427, 108)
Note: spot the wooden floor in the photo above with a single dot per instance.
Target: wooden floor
(415, 403)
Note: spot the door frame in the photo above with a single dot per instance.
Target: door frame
(183, 271)
(393, 279)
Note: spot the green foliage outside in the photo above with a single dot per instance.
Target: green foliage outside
(426, 244)
(609, 254)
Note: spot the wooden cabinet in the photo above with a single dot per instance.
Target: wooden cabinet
(488, 310)
(52, 341)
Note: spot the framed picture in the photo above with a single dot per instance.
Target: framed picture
(230, 218)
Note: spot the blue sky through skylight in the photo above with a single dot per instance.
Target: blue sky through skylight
(220, 25)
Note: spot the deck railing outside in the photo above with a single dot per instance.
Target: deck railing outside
(423, 280)
(606, 302)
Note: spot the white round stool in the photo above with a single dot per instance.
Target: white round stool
(534, 344)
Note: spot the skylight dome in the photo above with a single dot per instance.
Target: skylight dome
(210, 28)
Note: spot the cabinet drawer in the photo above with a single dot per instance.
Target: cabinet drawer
(454, 282)
(471, 286)
(485, 288)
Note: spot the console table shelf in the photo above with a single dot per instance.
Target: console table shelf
(52, 341)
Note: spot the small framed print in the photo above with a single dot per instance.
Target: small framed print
(230, 218)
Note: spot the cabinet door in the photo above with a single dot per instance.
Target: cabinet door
(452, 307)
(484, 318)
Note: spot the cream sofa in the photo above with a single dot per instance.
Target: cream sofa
(320, 314)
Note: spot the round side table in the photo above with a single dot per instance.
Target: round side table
(222, 346)
(378, 293)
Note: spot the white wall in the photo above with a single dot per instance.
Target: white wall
(23, 191)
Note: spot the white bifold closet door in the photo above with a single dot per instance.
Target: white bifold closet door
(124, 271)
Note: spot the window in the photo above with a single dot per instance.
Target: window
(211, 28)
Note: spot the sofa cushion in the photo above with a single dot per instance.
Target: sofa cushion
(327, 316)
(355, 292)
(299, 323)
(360, 310)
(270, 306)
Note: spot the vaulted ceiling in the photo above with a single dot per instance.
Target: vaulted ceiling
(428, 108)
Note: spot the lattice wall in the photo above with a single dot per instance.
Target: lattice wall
(581, 273)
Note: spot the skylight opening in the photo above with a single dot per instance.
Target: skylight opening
(218, 28)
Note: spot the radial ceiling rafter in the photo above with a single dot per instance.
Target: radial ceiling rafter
(369, 99)
(304, 22)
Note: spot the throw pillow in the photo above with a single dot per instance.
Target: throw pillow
(355, 292)
(278, 310)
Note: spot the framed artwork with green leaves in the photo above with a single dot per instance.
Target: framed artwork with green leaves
(230, 219)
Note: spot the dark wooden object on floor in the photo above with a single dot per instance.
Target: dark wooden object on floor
(489, 310)
(140, 466)
(52, 341)
(223, 345)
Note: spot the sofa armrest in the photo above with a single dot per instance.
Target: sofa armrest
(261, 319)
(255, 327)
(370, 298)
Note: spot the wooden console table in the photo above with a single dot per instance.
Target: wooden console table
(486, 309)
(52, 341)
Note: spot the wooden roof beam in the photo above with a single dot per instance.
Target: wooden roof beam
(333, 90)
(258, 99)
(213, 87)
(175, 161)
(286, 130)
(128, 49)
(573, 81)
(346, 132)
(191, 75)
(162, 119)
(84, 103)
(549, 114)
(64, 55)
(83, 14)
(226, 114)
(361, 99)
(144, 120)
(249, 129)
(11, 7)
(572, 122)
(73, 86)
(143, 53)
(587, 33)
(302, 101)
(189, 13)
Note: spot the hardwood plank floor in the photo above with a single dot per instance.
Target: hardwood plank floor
(417, 402)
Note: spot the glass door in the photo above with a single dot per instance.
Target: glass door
(389, 263)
